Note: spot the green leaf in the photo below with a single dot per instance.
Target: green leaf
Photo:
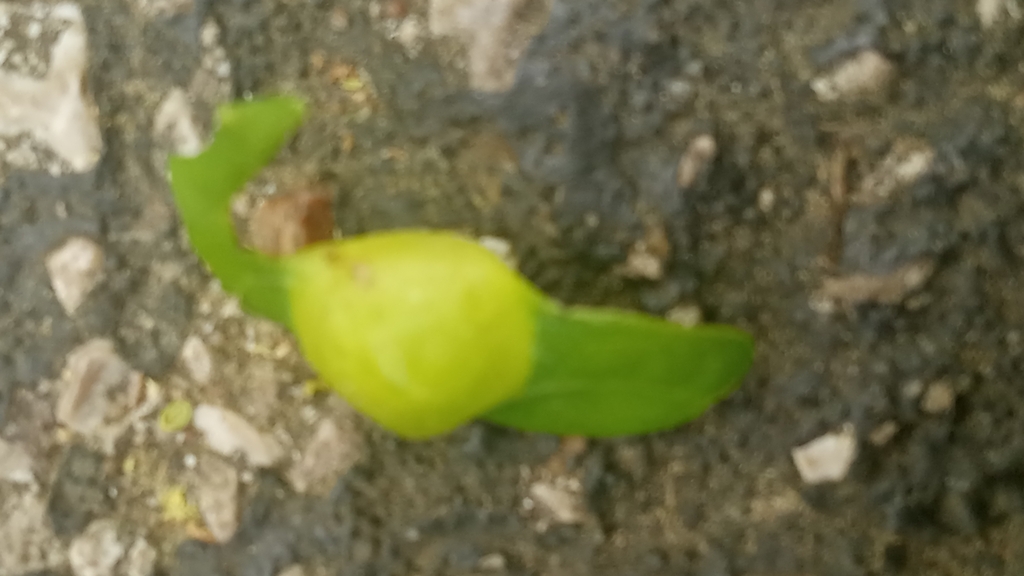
(605, 372)
(248, 137)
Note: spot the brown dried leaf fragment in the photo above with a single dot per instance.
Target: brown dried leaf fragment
(286, 222)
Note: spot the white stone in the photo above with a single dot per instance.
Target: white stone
(994, 12)
(27, 543)
(939, 398)
(97, 550)
(15, 464)
(140, 560)
(493, 33)
(827, 458)
(53, 110)
(196, 357)
(159, 9)
(227, 433)
(501, 248)
(492, 563)
(218, 497)
(75, 268)
(688, 315)
(174, 124)
(864, 75)
(93, 375)
(559, 499)
(329, 455)
(410, 35)
(294, 570)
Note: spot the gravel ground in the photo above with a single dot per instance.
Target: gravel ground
(840, 178)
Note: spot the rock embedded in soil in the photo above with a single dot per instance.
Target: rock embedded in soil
(495, 33)
(884, 433)
(698, 156)
(891, 288)
(195, 355)
(96, 551)
(330, 453)
(95, 383)
(560, 500)
(155, 9)
(27, 542)
(52, 109)
(229, 434)
(992, 13)
(75, 268)
(101, 396)
(217, 495)
(140, 559)
(827, 458)
(867, 75)
(939, 398)
(501, 248)
(906, 162)
(648, 255)
(174, 125)
(688, 315)
(16, 465)
(494, 562)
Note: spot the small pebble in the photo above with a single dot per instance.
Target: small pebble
(339, 19)
(912, 390)
(884, 433)
(492, 563)
(55, 111)
(228, 433)
(15, 464)
(766, 199)
(96, 388)
(27, 539)
(891, 288)
(217, 496)
(560, 499)
(409, 35)
(97, 550)
(197, 360)
(75, 268)
(140, 560)
(174, 125)
(939, 398)
(866, 75)
(993, 12)
(495, 34)
(330, 453)
(648, 255)
(501, 248)
(827, 458)
(699, 154)
(688, 315)
(906, 163)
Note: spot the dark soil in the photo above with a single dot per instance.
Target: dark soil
(607, 99)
